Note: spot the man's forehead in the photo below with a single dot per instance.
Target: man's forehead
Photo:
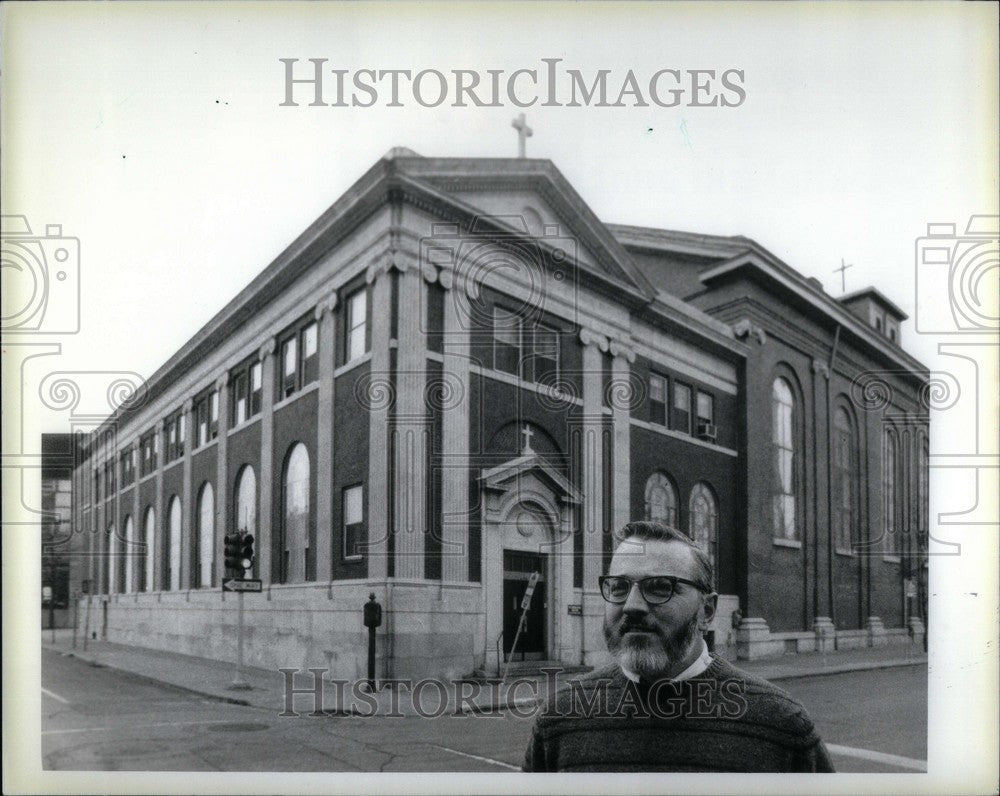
(653, 557)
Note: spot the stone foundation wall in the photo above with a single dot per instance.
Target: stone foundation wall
(754, 639)
(428, 628)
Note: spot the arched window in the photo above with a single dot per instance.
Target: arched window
(704, 521)
(296, 558)
(889, 476)
(845, 491)
(784, 480)
(130, 554)
(661, 499)
(146, 577)
(245, 515)
(172, 577)
(206, 531)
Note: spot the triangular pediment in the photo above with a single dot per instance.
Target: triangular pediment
(528, 467)
(530, 198)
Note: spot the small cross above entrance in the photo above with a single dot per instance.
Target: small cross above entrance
(527, 433)
(523, 133)
(843, 282)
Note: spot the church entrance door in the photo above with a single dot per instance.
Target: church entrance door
(518, 567)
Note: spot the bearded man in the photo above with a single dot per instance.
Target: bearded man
(666, 703)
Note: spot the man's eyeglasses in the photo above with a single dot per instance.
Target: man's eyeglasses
(655, 590)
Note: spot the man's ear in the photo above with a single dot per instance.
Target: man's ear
(709, 602)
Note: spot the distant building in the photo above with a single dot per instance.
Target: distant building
(459, 376)
(63, 553)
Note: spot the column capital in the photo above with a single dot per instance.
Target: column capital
(221, 382)
(326, 306)
(267, 348)
(620, 349)
(188, 404)
(592, 338)
(746, 329)
(400, 260)
(820, 366)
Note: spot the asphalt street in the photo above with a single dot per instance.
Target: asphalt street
(96, 718)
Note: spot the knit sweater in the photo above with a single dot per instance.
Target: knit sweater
(722, 720)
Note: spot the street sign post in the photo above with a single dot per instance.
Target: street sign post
(234, 584)
(525, 605)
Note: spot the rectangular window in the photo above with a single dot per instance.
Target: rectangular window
(256, 388)
(353, 509)
(506, 341)
(310, 360)
(206, 418)
(657, 399)
(545, 356)
(681, 418)
(289, 368)
(706, 416)
(357, 318)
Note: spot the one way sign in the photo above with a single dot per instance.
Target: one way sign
(241, 585)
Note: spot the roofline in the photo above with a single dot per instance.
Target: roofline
(766, 264)
(871, 290)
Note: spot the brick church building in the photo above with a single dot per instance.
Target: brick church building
(459, 376)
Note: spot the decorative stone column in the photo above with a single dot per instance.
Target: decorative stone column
(265, 481)
(591, 449)
(622, 396)
(410, 425)
(221, 474)
(455, 434)
(138, 546)
(378, 399)
(188, 543)
(324, 437)
(162, 523)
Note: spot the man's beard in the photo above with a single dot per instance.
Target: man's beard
(649, 656)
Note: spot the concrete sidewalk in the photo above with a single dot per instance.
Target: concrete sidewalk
(211, 679)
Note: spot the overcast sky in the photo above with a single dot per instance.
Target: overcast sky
(154, 134)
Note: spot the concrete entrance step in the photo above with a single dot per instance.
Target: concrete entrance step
(531, 669)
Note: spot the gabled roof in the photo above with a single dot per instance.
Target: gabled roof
(455, 175)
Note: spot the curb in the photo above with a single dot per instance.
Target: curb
(492, 707)
(848, 667)
(151, 679)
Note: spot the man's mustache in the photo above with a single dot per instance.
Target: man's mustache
(626, 625)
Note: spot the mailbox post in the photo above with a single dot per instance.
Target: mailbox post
(372, 619)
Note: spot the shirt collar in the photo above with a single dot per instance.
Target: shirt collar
(703, 661)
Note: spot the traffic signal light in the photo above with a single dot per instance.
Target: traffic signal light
(246, 552)
(232, 553)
